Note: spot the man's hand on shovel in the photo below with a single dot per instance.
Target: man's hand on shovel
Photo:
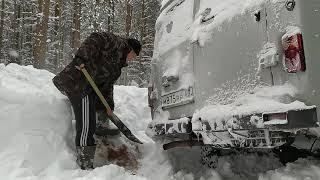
(122, 127)
(80, 67)
(109, 112)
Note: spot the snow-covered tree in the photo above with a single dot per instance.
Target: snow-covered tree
(46, 33)
(40, 36)
(145, 13)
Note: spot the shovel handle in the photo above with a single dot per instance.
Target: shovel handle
(96, 89)
(122, 127)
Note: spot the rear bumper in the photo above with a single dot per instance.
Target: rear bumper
(185, 129)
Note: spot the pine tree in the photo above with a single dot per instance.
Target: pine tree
(46, 33)
(40, 37)
(2, 28)
(145, 13)
(76, 36)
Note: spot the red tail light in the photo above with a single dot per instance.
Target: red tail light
(294, 53)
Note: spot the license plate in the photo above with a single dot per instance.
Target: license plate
(178, 98)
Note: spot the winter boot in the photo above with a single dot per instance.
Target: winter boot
(85, 156)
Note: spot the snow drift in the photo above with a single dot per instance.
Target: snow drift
(36, 130)
(37, 136)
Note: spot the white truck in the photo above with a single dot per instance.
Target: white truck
(235, 74)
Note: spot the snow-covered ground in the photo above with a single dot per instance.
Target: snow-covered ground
(37, 139)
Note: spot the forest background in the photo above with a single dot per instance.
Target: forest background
(47, 33)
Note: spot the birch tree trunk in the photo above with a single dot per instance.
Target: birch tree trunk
(41, 33)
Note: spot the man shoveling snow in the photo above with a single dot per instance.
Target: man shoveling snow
(103, 55)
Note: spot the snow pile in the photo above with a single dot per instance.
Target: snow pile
(303, 169)
(131, 106)
(37, 136)
(36, 131)
(174, 164)
(35, 121)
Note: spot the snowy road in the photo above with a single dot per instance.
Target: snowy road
(37, 139)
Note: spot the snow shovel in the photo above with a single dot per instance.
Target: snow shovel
(122, 127)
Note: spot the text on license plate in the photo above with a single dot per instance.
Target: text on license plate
(177, 98)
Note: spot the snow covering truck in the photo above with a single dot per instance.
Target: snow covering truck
(235, 74)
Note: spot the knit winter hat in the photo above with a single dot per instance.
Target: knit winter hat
(135, 45)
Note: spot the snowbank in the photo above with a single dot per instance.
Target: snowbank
(35, 122)
(131, 105)
(36, 130)
(37, 136)
(303, 169)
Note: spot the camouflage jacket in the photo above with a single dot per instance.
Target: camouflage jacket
(103, 54)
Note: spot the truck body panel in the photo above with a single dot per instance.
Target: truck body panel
(227, 58)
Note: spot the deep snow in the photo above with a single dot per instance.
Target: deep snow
(37, 139)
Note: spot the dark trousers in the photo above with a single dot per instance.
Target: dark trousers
(85, 115)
